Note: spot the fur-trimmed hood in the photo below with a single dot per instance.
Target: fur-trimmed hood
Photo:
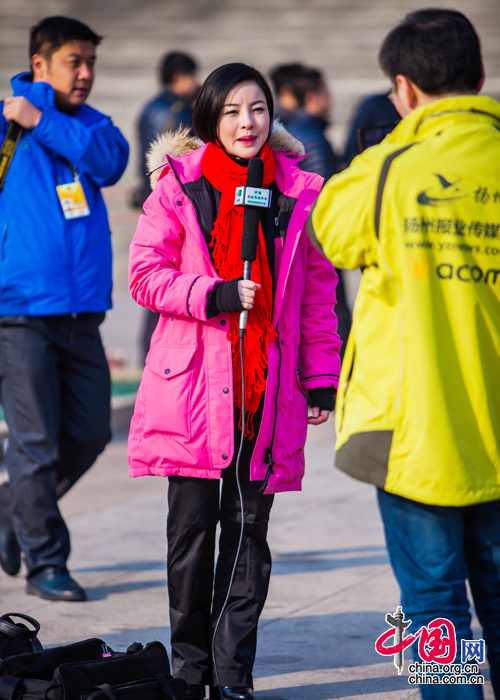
(177, 143)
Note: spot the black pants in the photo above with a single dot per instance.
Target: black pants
(55, 392)
(195, 508)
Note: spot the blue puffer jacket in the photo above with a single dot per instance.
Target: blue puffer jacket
(50, 265)
(165, 112)
(310, 131)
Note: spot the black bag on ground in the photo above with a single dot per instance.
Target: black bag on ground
(76, 671)
(16, 637)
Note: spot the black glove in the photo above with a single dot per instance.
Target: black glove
(224, 297)
(323, 398)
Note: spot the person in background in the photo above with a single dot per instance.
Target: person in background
(189, 424)
(418, 409)
(308, 124)
(55, 289)
(170, 109)
(286, 102)
(311, 119)
(375, 117)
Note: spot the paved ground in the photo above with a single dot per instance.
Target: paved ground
(331, 585)
(330, 589)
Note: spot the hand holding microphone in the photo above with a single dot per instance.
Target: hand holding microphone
(246, 291)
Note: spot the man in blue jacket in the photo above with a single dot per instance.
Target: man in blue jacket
(55, 287)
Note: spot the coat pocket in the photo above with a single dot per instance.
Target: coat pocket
(170, 378)
(299, 382)
(297, 420)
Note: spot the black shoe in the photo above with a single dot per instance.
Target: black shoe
(195, 692)
(55, 583)
(232, 692)
(10, 554)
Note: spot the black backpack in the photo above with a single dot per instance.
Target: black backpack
(88, 670)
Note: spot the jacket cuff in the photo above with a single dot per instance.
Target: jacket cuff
(196, 296)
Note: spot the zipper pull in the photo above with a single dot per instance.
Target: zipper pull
(105, 651)
(268, 459)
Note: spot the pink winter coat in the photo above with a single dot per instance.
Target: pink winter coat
(183, 419)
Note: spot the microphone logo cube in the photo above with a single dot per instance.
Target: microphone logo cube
(252, 197)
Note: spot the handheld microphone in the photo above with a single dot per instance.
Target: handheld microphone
(250, 235)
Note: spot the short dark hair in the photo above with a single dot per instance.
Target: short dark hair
(51, 33)
(304, 80)
(213, 93)
(280, 75)
(176, 62)
(436, 49)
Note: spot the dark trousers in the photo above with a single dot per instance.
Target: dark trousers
(150, 320)
(55, 391)
(196, 599)
(434, 550)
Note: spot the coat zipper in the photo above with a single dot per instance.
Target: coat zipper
(269, 459)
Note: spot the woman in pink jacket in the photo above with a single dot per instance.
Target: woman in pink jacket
(185, 263)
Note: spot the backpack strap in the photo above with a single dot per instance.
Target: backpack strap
(104, 690)
(9, 145)
(165, 686)
(9, 686)
(107, 691)
(10, 628)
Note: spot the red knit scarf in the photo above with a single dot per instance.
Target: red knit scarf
(225, 175)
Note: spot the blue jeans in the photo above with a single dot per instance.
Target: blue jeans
(433, 550)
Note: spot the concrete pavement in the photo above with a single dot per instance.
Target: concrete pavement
(331, 583)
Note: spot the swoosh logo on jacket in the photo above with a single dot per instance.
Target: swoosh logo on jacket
(439, 194)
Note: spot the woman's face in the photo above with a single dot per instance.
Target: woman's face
(244, 121)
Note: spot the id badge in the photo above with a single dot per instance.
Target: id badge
(72, 198)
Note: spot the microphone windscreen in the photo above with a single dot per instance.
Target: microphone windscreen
(251, 215)
(255, 173)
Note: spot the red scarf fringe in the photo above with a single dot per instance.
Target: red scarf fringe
(225, 175)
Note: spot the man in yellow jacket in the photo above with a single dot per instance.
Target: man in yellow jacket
(418, 407)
